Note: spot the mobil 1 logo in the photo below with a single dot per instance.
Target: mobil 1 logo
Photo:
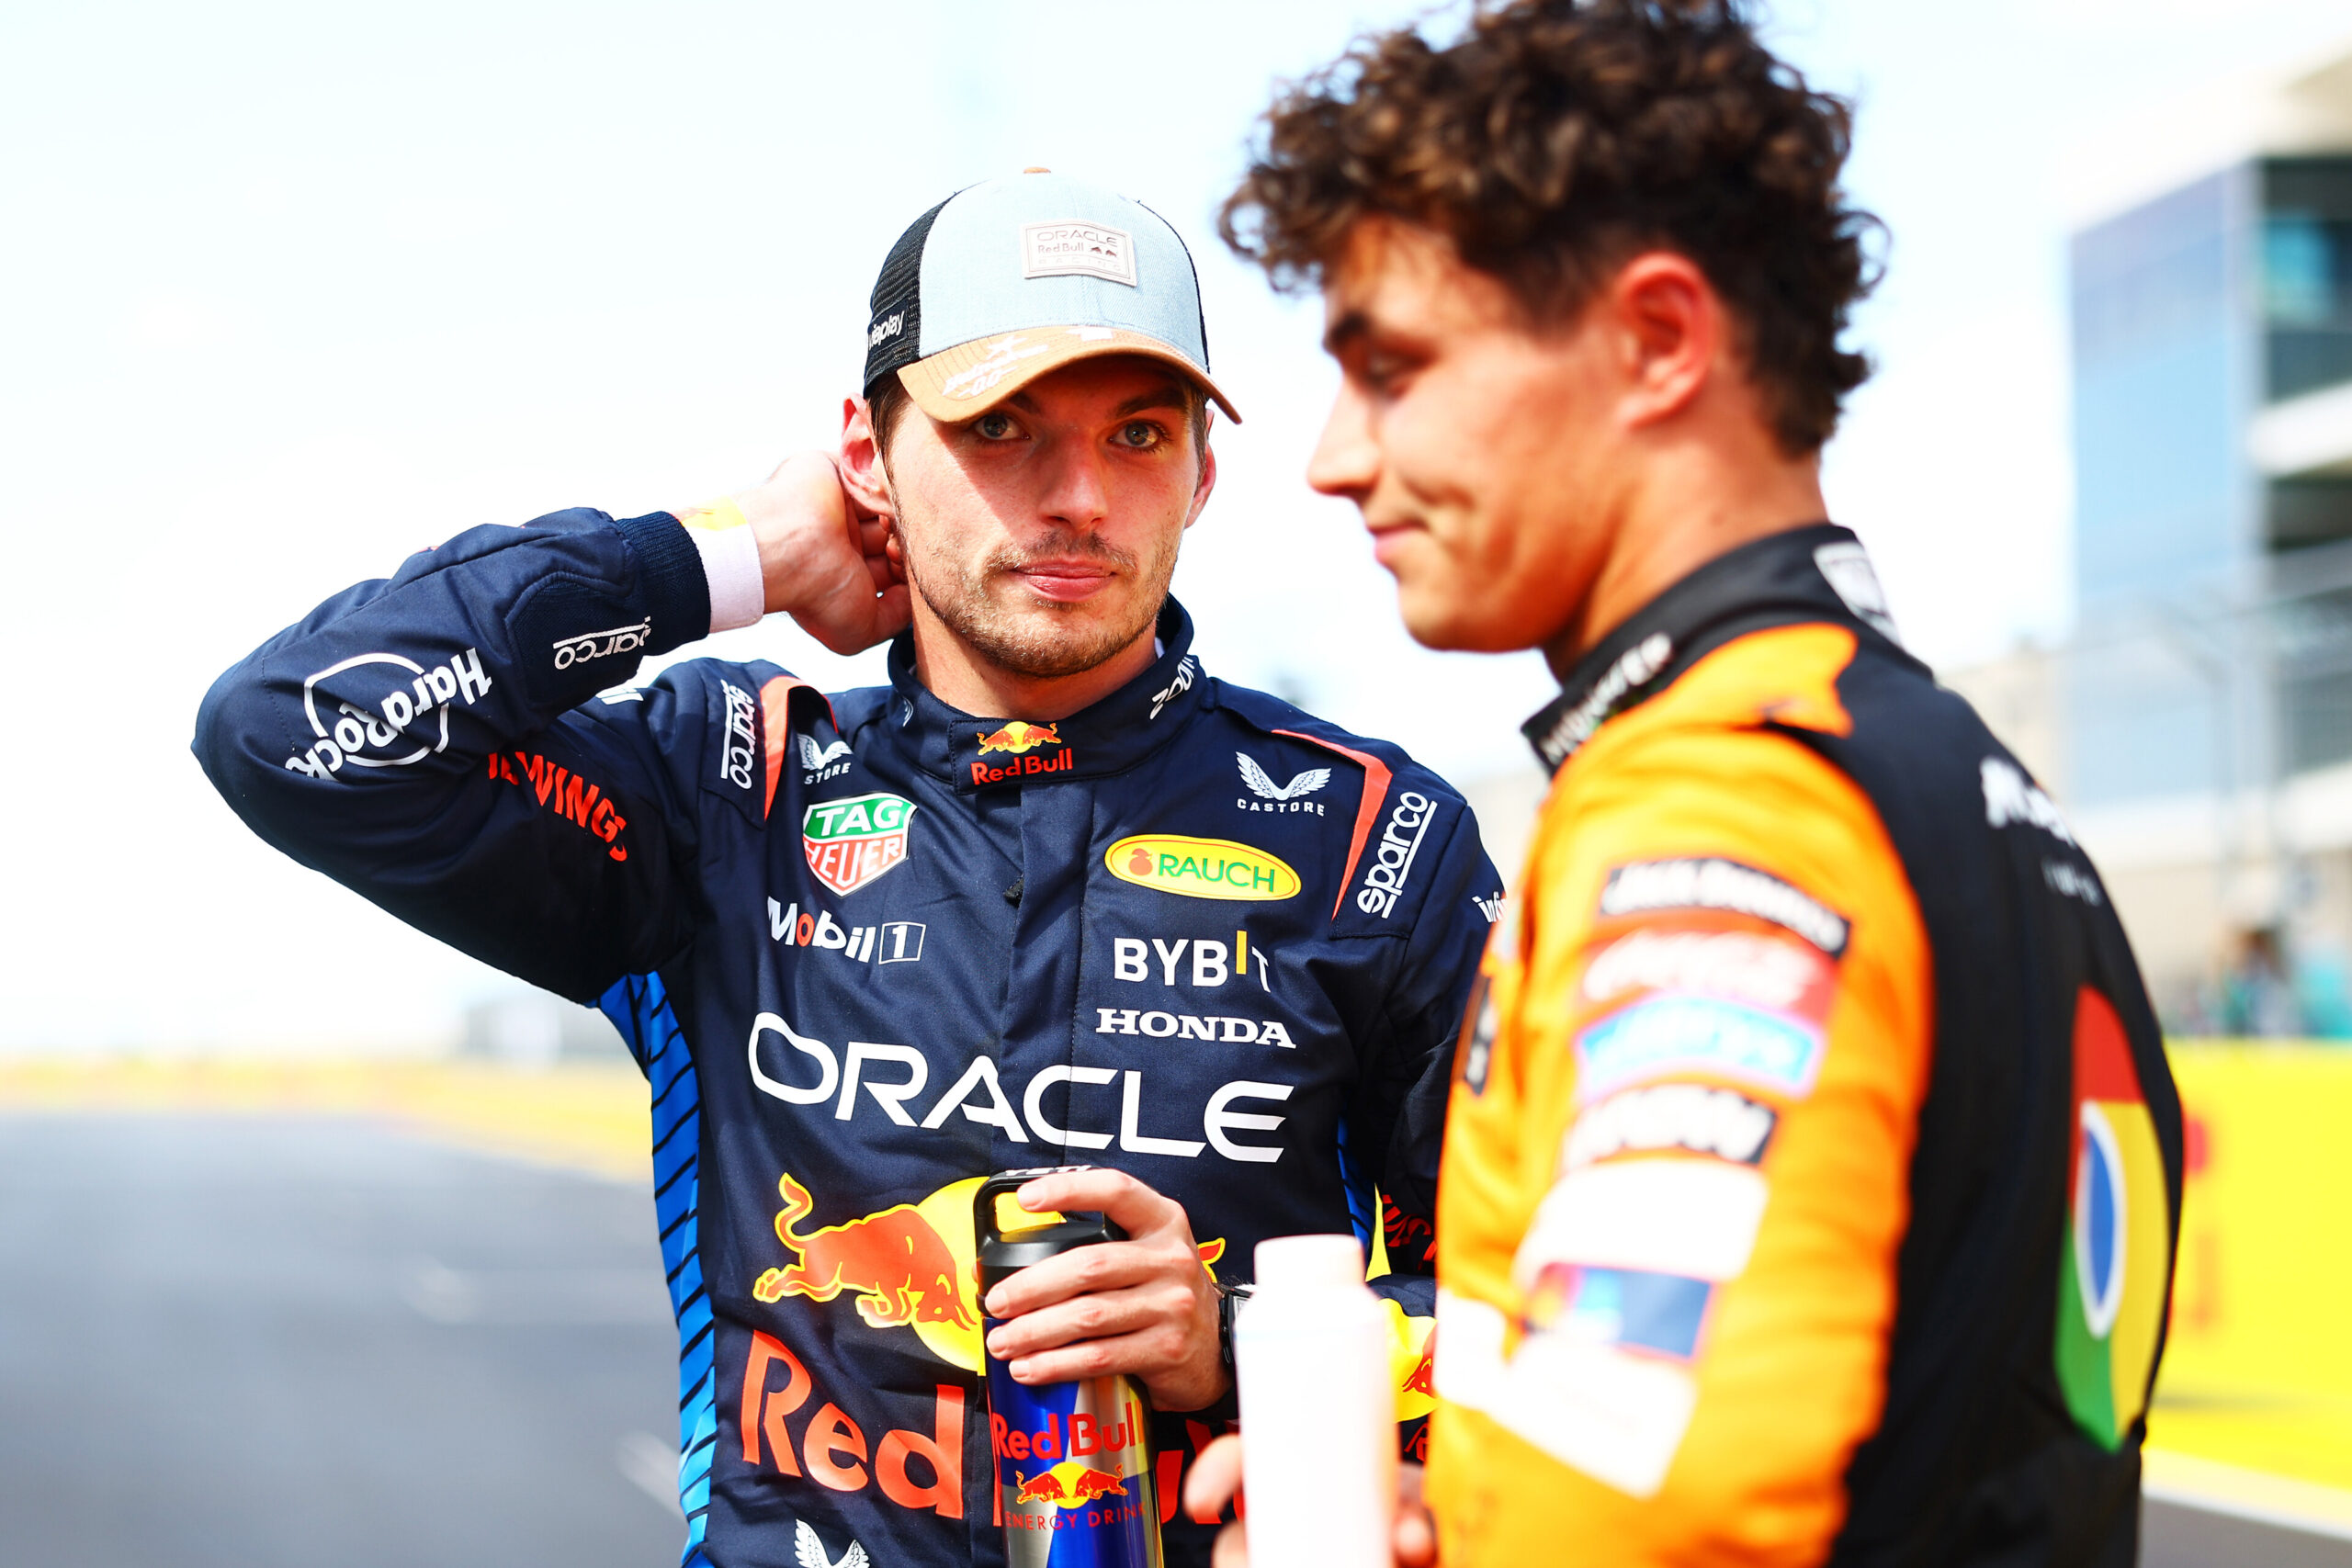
(887, 941)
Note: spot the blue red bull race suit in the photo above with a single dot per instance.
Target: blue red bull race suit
(869, 948)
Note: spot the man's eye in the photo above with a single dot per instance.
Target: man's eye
(993, 426)
(1141, 434)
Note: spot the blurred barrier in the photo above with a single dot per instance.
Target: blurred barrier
(590, 1116)
(2258, 1373)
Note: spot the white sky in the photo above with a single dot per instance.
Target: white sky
(290, 291)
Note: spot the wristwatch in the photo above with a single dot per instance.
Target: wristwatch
(1228, 1303)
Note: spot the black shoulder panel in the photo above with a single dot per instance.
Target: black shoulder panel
(1968, 1467)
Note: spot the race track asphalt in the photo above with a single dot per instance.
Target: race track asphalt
(298, 1342)
(305, 1343)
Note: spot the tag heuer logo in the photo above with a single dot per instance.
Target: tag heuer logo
(851, 842)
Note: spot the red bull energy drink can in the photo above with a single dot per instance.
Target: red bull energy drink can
(1073, 1460)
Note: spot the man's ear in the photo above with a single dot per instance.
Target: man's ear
(862, 474)
(1670, 325)
(1208, 483)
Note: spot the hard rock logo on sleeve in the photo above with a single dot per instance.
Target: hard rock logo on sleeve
(390, 711)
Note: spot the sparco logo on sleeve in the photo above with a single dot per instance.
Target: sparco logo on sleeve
(1648, 885)
(403, 695)
(580, 650)
(1400, 842)
(741, 743)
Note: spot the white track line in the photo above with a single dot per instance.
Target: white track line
(2186, 1482)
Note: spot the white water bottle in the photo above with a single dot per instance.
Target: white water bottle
(1319, 1408)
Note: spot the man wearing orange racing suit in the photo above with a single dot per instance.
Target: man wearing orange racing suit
(1812, 1163)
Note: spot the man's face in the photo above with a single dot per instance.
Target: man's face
(1485, 456)
(1044, 532)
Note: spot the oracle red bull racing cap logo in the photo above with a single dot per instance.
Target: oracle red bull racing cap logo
(851, 842)
(1199, 868)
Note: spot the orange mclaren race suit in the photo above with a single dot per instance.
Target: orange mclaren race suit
(1811, 1165)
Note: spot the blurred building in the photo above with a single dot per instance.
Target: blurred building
(2205, 706)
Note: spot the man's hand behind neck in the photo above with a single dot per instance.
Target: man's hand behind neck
(824, 558)
(833, 565)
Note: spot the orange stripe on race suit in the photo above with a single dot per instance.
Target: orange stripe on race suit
(1375, 792)
(776, 727)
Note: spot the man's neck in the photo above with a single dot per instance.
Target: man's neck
(963, 678)
(1699, 502)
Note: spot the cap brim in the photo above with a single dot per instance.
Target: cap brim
(966, 381)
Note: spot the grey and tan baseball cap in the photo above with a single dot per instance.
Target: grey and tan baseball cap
(1012, 278)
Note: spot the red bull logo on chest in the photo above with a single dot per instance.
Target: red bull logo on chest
(909, 1266)
(851, 842)
(894, 1262)
(1019, 736)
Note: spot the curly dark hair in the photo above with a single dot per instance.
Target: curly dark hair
(1555, 140)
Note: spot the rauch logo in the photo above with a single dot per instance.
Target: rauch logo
(1199, 868)
(851, 842)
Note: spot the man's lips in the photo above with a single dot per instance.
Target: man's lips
(1066, 581)
(1389, 537)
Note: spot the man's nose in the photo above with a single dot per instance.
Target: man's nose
(1075, 492)
(1346, 458)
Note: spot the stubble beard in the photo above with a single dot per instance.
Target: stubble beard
(1034, 637)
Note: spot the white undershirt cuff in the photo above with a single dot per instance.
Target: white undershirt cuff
(730, 566)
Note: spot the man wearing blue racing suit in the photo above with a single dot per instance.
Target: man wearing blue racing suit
(1051, 895)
